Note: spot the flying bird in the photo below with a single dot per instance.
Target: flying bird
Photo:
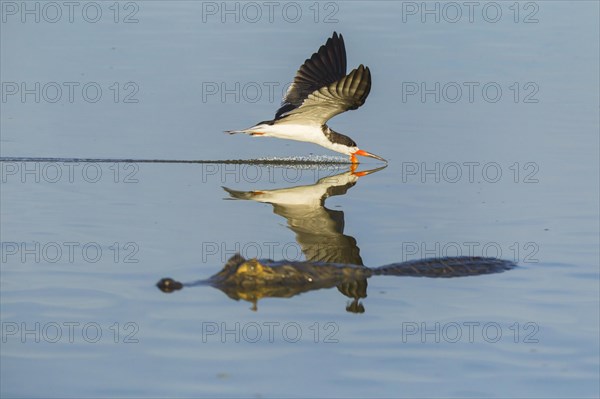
(320, 91)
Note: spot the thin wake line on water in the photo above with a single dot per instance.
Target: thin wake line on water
(289, 161)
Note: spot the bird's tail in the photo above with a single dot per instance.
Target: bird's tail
(256, 130)
(235, 194)
(250, 131)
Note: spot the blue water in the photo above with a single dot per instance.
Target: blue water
(510, 173)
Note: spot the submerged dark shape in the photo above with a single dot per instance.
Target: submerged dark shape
(254, 279)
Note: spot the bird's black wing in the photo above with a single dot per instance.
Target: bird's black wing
(326, 66)
(348, 93)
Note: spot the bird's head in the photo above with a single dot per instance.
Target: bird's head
(344, 144)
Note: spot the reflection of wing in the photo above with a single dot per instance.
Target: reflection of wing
(319, 231)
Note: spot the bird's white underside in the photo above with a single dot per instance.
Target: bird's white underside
(307, 133)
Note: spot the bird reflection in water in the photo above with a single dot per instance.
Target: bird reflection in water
(332, 258)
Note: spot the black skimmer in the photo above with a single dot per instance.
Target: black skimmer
(320, 91)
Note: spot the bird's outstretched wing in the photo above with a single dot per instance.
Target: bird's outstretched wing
(323, 68)
(349, 92)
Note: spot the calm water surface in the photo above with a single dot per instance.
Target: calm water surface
(510, 173)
